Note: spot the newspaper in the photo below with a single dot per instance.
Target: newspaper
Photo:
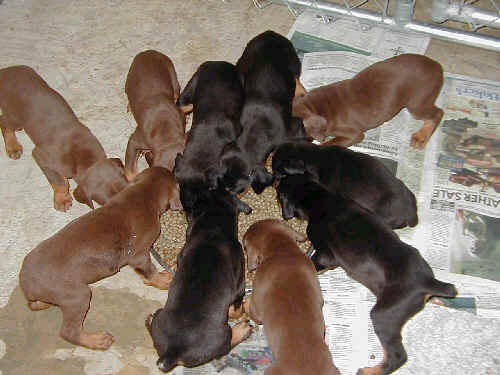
(456, 180)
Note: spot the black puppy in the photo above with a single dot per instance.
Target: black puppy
(208, 286)
(356, 175)
(216, 94)
(347, 235)
(271, 69)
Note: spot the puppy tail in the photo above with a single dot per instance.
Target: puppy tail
(438, 288)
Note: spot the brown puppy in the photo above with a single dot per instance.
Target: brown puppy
(152, 89)
(287, 299)
(95, 246)
(346, 109)
(65, 148)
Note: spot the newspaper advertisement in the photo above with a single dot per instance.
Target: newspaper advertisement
(463, 170)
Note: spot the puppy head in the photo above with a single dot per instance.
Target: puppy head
(101, 182)
(287, 162)
(164, 189)
(234, 169)
(258, 243)
(290, 192)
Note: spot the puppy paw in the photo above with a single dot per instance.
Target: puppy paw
(97, 340)
(418, 141)
(235, 313)
(15, 151)
(240, 332)
(160, 280)
(63, 201)
(376, 370)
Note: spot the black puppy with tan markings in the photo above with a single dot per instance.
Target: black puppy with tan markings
(271, 71)
(207, 289)
(286, 298)
(64, 147)
(347, 235)
(356, 175)
(95, 246)
(215, 94)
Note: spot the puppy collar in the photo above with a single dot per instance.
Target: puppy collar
(310, 252)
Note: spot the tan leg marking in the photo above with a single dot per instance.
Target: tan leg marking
(420, 138)
(375, 370)
(160, 280)
(62, 197)
(12, 146)
(235, 313)
(300, 90)
(38, 305)
(187, 108)
(97, 340)
(241, 332)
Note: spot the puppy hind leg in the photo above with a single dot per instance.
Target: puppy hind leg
(135, 146)
(74, 308)
(432, 116)
(388, 317)
(12, 146)
(60, 184)
(38, 305)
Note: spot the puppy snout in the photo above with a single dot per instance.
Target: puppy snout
(161, 365)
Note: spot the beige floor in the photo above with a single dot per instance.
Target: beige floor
(84, 49)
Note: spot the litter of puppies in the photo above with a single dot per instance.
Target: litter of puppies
(242, 114)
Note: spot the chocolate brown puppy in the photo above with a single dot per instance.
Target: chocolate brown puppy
(347, 235)
(346, 109)
(152, 90)
(64, 147)
(286, 298)
(359, 176)
(95, 246)
(207, 289)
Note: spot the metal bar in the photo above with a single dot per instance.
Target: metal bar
(159, 260)
(439, 32)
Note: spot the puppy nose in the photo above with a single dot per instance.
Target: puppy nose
(161, 365)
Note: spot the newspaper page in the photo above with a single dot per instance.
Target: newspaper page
(463, 171)
(456, 179)
(317, 32)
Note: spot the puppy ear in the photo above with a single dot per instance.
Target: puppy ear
(294, 166)
(254, 258)
(175, 199)
(315, 126)
(287, 209)
(185, 101)
(212, 176)
(261, 179)
(81, 196)
(297, 236)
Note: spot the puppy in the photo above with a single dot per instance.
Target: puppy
(271, 69)
(207, 289)
(286, 298)
(347, 235)
(346, 109)
(96, 246)
(356, 175)
(152, 90)
(215, 94)
(64, 147)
